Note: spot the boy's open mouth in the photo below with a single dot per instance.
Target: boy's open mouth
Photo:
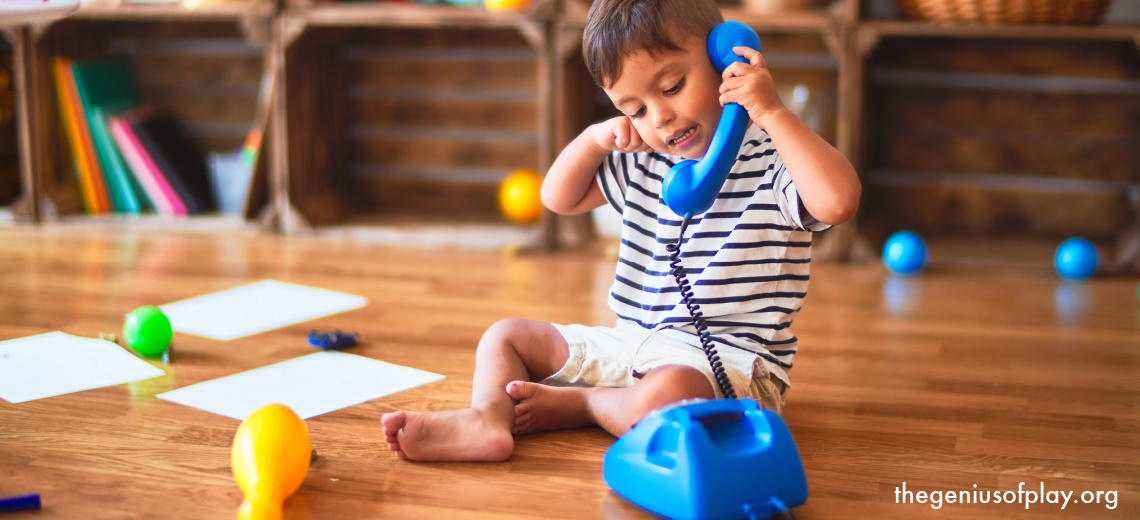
(684, 138)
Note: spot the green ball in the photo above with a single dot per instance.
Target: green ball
(147, 330)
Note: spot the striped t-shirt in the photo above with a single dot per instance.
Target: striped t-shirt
(747, 257)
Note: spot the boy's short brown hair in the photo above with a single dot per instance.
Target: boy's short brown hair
(616, 29)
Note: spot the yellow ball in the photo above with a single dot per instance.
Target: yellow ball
(520, 196)
(505, 5)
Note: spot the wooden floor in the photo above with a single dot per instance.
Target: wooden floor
(946, 380)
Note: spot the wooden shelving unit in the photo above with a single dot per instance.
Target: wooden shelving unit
(16, 176)
(203, 64)
(203, 10)
(431, 106)
(359, 94)
(999, 134)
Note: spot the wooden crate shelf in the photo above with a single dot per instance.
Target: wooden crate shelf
(956, 128)
(381, 14)
(207, 72)
(10, 185)
(1023, 133)
(204, 10)
(395, 113)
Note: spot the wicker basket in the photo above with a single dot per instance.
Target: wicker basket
(997, 12)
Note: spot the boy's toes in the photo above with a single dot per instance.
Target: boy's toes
(520, 390)
(393, 421)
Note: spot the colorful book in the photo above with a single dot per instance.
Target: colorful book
(145, 170)
(179, 158)
(86, 166)
(105, 87)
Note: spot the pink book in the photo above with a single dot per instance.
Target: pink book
(150, 177)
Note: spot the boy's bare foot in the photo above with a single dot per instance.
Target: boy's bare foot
(542, 408)
(465, 434)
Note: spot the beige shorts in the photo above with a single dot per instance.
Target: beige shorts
(618, 356)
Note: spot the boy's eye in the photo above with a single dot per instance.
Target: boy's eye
(676, 88)
(640, 112)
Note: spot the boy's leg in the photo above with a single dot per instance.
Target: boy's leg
(510, 350)
(614, 409)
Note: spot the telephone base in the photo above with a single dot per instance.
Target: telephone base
(708, 460)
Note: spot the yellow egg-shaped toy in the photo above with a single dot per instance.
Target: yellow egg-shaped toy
(271, 455)
(505, 5)
(520, 197)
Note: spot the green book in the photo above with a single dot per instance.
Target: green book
(105, 88)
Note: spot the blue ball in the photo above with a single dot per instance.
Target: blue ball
(1075, 259)
(905, 252)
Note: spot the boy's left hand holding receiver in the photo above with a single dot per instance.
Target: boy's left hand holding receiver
(751, 86)
(826, 182)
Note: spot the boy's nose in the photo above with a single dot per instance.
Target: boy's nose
(662, 118)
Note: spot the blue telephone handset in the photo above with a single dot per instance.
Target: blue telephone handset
(690, 187)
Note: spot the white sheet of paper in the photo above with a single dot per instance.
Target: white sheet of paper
(55, 363)
(255, 308)
(311, 385)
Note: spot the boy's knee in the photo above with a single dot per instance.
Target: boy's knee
(669, 384)
(505, 329)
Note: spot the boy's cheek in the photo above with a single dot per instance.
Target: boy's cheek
(648, 136)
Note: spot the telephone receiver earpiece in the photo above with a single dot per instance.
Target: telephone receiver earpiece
(691, 187)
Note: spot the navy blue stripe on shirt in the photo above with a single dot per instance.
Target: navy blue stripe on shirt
(606, 189)
(757, 155)
(773, 308)
(662, 158)
(754, 279)
(641, 209)
(753, 174)
(767, 243)
(661, 258)
(644, 191)
(707, 301)
(749, 297)
(762, 340)
(648, 174)
(624, 171)
(643, 269)
(709, 283)
(760, 261)
(736, 194)
(636, 305)
(727, 232)
(714, 324)
(738, 214)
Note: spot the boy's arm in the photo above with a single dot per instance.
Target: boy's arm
(825, 180)
(569, 187)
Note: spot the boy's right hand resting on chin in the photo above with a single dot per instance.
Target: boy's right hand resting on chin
(619, 135)
(569, 187)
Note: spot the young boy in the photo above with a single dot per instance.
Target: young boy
(747, 257)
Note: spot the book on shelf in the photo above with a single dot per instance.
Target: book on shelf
(179, 157)
(105, 87)
(128, 158)
(123, 197)
(87, 171)
(144, 166)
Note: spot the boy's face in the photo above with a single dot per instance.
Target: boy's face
(672, 98)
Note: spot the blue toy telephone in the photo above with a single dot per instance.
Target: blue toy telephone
(709, 460)
(690, 188)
